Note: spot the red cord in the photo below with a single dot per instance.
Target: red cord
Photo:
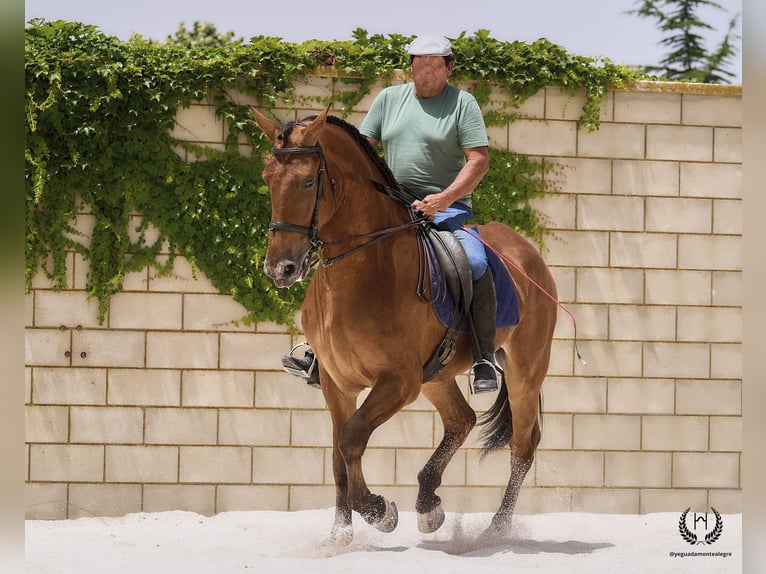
(535, 283)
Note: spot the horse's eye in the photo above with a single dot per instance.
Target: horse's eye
(308, 183)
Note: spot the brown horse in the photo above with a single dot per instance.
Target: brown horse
(370, 329)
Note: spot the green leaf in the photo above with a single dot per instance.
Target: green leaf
(99, 112)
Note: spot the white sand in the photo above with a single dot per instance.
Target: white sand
(294, 542)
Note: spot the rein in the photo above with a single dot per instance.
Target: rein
(375, 237)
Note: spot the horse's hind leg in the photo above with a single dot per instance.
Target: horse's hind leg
(458, 419)
(526, 375)
(523, 447)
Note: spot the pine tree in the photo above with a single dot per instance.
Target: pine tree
(688, 59)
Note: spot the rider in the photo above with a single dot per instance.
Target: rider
(436, 144)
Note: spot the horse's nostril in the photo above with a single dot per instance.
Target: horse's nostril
(288, 269)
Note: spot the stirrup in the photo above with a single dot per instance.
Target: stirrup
(485, 385)
(292, 365)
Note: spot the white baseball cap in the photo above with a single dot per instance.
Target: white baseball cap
(430, 46)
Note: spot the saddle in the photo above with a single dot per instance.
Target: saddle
(448, 267)
(451, 285)
(449, 275)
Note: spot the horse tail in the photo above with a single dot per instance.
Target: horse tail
(497, 423)
(497, 420)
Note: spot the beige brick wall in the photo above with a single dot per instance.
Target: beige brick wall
(169, 405)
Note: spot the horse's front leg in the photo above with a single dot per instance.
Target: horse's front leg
(342, 529)
(387, 397)
(341, 408)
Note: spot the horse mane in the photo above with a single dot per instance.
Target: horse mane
(371, 152)
(352, 130)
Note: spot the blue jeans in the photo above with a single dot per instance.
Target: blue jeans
(451, 220)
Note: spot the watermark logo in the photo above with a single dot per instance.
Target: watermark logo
(702, 530)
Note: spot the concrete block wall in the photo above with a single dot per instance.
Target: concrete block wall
(170, 405)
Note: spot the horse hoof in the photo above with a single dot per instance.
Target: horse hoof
(497, 530)
(429, 522)
(390, 518)
(341, 535)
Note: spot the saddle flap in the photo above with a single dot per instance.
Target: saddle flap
(454, 266)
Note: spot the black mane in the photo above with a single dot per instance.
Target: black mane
(351, 130)
(371, 152)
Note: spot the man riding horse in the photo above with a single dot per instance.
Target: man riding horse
(436, 144)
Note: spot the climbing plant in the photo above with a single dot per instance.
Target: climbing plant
(99, 119)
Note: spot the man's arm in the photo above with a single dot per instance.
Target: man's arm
(476, 165)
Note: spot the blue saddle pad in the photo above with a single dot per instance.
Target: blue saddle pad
(507, 301)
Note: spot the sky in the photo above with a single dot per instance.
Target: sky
(596, 28)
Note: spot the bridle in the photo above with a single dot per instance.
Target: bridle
(313, 231)
(317, 245)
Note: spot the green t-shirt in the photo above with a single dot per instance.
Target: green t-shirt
(424, 138)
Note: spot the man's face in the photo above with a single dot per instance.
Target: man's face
(430, 74)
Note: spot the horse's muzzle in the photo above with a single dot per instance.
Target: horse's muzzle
(285, 272)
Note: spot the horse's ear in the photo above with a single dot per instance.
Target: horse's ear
(311, 135)
(269, 128)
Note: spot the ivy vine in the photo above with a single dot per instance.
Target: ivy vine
(99, 116)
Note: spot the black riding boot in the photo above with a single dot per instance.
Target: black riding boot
(306, 367)
(484, 315)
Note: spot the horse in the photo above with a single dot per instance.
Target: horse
(370, 329)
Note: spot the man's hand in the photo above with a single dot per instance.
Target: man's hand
(429, 205)
(476, 165)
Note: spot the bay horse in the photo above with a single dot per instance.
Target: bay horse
(369, 328)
